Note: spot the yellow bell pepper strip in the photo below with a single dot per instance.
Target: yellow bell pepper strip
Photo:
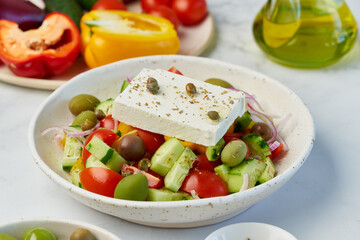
(111, 35)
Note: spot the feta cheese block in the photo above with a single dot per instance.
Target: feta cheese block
(176, 113)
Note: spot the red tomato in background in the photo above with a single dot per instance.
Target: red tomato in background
(152, 140)
(165, 12)
(190, 12)
(147, 5)
(108, 122)
(277, 151)
(203, 163)
(108, 136)
(100, 180)
(206, 184)
(109, 5)
(174, 70)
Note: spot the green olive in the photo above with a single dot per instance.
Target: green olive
(38, 233)
(133, 187)
(131, 147)
(234, 153)
(219, 82)
(83, 116)
(82, 234)
(4, 236)
(82, 102)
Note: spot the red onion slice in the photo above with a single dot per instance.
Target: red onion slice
(84, 133)
(128, 79)
(194, 194)
(245, 184)
(274, 146)
(49, 129)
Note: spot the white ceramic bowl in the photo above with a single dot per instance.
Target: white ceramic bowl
(105, 82)
(62, 228)
(252, 231)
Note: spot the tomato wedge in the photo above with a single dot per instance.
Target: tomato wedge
(100, 180)
(153, 182)
(206, 184)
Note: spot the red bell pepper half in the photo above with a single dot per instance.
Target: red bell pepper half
(43, 52)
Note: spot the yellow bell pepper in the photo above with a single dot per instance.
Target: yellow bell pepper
(110, 35)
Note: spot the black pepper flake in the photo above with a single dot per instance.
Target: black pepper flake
(168, 114)
(181, 111)
(158, 103)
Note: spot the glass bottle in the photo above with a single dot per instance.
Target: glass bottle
(305, 33)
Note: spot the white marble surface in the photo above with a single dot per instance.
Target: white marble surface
(322, 201)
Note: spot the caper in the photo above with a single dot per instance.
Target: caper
(152, 85)
(190, 88)
(38, 233)
(82, 102)
(263, 130)
(219, 82)
(131, 147)
(213, 115)
(99, 114)
(87, 125)
(133, 187)
(82, 234)
(144, 164)
(83, 116)
(126, 173)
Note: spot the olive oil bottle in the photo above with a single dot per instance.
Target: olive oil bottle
(305, 33)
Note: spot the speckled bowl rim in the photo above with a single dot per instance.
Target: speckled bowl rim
(78, 223)
(286, 175)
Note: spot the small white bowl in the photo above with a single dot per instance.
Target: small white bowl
(251, 231)
(105, 82)
(62, 228)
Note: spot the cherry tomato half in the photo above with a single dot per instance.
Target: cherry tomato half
(108, 122)
(277, 151)
(100, 180)
(165, 12)
(147, 5)
(206, 184)
(106, 135)
(152, 140)
(109, 5)
(203, 163)
(190, 12)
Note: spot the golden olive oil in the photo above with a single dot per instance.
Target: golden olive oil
(305, 33)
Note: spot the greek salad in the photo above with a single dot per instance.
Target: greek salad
(120, 160)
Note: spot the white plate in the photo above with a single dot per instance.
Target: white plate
(62, 228)
(193, 41)
(250, 231)
(275, 98)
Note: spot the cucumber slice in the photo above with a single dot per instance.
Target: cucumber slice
(242, 122)
(165, 157)
(257, 145)
(124, 85)
(175, 177)
(94, 162)
(106, 106)
(269, 172)
(75, 177)
(166, 195)
(105, 154)
(235, 182)
(222, 171)
(253, 167)
(72, 152)
(213, 152)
